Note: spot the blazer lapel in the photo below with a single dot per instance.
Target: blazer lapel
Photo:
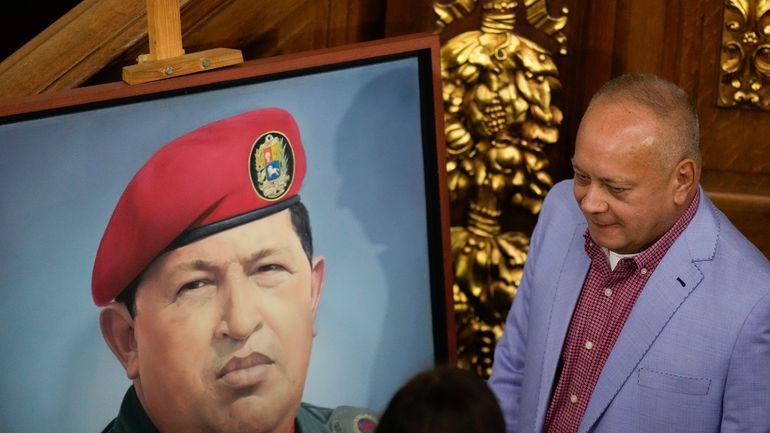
(568, 285)
(669, 286)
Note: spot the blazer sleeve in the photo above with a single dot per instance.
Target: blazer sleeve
(746, 401)
(508, 365)
(510, 352)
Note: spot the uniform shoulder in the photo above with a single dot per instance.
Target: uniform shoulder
(343, 419)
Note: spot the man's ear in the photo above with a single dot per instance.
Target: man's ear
(118, 331)
(317, 273)
(686, 178)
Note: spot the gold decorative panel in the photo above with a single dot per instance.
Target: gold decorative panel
(744, 79)
(499, 120)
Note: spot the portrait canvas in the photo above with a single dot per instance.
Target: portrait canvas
(373, 189)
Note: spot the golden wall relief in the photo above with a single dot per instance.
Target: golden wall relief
(744, 79)
(499, 119)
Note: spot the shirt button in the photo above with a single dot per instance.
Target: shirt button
(643, 271)
(608, 292)
(573, 398)
(589, 345)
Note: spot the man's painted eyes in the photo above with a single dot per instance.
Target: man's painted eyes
(271, 267)
(192, 285)
(265, 269)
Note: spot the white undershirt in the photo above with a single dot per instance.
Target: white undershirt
(614, 257)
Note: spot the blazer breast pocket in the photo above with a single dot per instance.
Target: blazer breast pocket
(673, 382)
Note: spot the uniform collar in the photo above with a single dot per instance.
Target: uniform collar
(132, 418)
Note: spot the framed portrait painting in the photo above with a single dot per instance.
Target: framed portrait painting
(370, 120)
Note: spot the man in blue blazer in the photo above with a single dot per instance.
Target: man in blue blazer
(642, 308)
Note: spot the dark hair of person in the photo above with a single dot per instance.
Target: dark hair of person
(446, 400)
(300, 221)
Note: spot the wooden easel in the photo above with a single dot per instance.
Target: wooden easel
(167, 58)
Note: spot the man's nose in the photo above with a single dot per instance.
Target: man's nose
(241, 314)
(593, 200)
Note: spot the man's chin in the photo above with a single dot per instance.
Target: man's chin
(256, 413)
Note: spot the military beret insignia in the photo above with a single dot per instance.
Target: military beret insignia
(366, 423)
(351, 419)
(272, 165)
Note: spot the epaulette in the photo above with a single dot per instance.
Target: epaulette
(350, 419)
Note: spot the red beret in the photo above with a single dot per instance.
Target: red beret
(218, 176)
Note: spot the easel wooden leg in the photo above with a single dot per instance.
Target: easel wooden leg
(164, 29)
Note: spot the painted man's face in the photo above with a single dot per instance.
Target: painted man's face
(223, 330)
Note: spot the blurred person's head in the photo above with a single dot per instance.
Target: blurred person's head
(445, 400)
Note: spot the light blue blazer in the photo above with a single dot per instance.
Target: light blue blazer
(693, 356)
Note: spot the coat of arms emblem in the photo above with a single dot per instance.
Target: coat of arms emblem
(272, 165)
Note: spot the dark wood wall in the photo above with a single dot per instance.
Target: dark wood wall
(678, 40)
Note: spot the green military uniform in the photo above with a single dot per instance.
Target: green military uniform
(310, 419)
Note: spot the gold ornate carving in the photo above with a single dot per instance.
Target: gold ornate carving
(744, 79)
(499, 119)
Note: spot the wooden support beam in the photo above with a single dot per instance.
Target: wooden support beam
(147, 71)
(75, 47)
(164, 29)
(167, 58)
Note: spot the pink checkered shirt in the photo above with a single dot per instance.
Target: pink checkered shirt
(605, 302)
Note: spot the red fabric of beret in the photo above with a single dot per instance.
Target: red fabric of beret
(220, 175)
